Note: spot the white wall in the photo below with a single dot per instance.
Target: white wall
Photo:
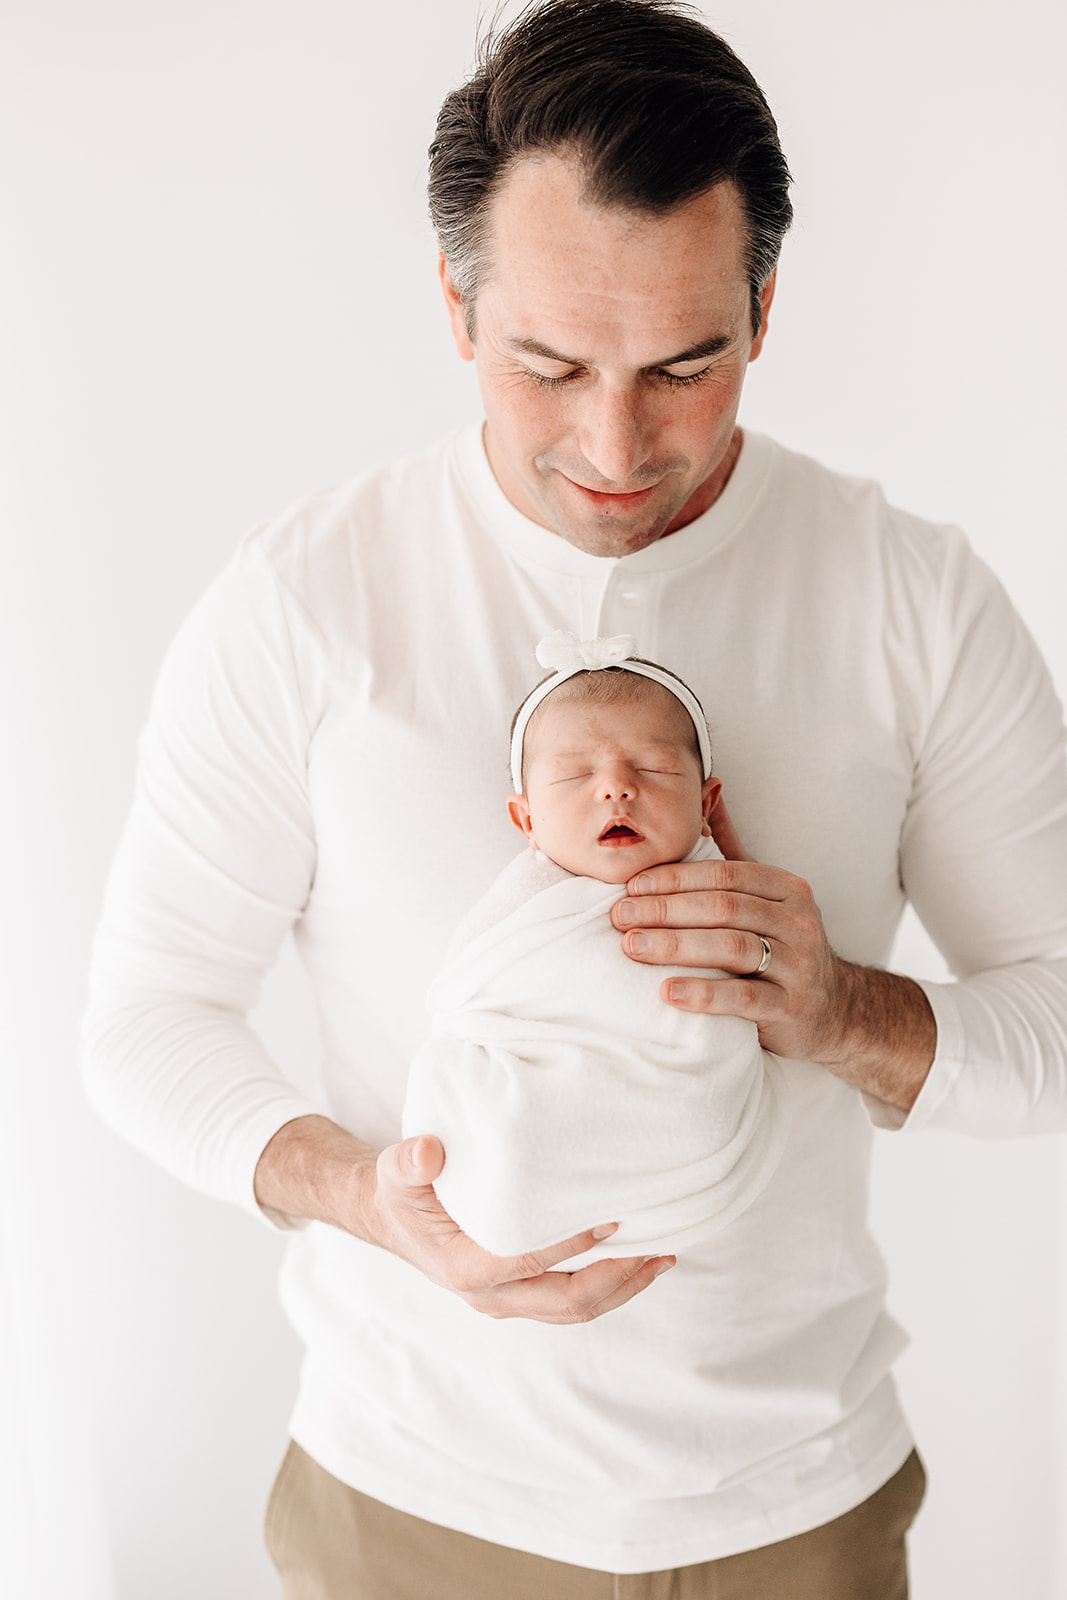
(220, 296)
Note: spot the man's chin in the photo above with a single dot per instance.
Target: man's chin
(610, 524)
(609, 534)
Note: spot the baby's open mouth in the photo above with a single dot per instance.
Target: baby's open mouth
(619, 830)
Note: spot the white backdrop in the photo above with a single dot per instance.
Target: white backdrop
(220, 296)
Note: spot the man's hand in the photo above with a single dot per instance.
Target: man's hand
(413, 1224)
(313, 1168)
(874, 1029)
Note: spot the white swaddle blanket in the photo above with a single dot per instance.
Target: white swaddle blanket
(566, 1093)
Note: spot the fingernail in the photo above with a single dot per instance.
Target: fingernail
(678, 989)
(644, 884)
(639, 943)
(664, 1266)
(605, 1230)
(627, 912)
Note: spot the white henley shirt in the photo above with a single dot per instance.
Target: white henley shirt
(327, 752)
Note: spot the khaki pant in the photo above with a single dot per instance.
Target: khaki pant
(330, 1542)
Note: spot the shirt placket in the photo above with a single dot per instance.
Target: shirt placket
(628, 605)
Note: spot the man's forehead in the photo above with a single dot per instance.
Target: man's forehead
(543, 229)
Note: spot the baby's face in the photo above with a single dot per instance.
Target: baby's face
(611, 789)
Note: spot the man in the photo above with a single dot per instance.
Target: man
(327, 751)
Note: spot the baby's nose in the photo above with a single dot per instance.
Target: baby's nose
(617, 782)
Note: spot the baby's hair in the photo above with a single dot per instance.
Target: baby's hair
(607, 686)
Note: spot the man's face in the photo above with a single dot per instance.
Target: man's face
(613, 788)
(611, 348)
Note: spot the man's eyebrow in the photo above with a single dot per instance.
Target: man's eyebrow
(712, 346)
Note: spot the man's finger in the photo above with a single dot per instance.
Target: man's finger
(536, 1262)
(740, 877)
(748, 998)
(700, 908)
(725, 834)
(645, 1275)
(730, 950)
(572, 1297)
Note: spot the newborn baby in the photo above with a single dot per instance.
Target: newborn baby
(565, 1091)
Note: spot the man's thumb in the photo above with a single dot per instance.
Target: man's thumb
(725, 834)
(420, 1160)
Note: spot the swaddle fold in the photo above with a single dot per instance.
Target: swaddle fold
(566, 1093)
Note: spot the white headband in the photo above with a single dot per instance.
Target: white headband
(569, 655)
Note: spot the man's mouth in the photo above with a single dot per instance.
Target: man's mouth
(617, 501)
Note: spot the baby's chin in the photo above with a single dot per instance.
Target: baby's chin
(615, 864)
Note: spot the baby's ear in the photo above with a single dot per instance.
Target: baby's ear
(519, 812)
(709, 799)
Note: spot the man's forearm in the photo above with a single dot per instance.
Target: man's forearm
(886, 1034)
(313, 1168)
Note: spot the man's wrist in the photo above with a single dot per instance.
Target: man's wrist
(314, 1169)
(885, 1034)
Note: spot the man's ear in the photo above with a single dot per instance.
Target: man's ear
(709, 799)
(456, 311)
(519, 812)
(766, 295)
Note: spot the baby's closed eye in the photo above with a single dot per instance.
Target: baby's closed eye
(570, 777)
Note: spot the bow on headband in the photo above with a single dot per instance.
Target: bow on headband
(565, 652)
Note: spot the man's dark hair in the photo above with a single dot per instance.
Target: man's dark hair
(656, 107)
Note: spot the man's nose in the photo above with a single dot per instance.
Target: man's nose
(615, 435)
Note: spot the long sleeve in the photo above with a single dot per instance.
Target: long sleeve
(213, 868)
(984, 861)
